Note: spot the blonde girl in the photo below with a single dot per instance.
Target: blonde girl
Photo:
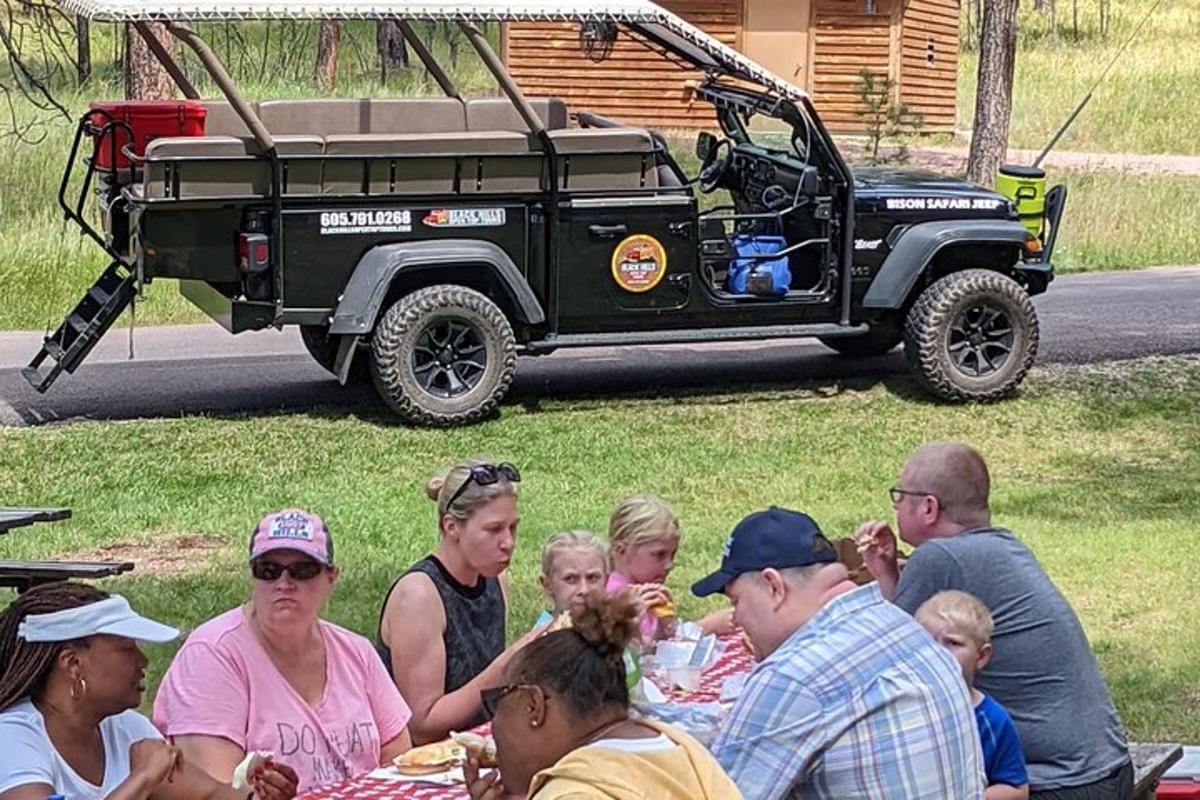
(643, 535)
(574, 569)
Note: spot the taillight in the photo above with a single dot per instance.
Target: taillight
(254, 253)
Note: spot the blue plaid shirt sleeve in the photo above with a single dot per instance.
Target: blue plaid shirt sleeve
(770, 736)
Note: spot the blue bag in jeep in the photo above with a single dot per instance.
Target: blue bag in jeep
(759, 275)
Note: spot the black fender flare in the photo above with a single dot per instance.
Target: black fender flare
(921, 242)
(362, 299)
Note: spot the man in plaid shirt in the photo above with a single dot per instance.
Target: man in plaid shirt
(852, 698)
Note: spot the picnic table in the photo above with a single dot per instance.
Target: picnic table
(1150, 761)
(19, 517)
(734, 659)
(22, 575)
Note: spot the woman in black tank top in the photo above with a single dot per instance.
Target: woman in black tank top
(441, 627)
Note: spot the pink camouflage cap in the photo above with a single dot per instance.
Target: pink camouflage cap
(293, 529)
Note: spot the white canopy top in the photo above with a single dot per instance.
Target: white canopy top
(650, 20)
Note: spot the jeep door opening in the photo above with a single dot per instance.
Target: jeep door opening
(423, 243)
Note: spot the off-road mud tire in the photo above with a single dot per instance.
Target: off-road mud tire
(324, 348)
(928, 330)
(882, 338)
(395, 340)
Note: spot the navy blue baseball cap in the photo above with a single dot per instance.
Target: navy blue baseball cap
(777, 537)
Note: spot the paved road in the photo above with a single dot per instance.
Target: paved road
(199, 369)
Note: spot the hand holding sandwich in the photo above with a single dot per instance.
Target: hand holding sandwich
(877, 546)
(482, 787)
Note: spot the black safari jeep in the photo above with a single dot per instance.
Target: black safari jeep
(428, 242)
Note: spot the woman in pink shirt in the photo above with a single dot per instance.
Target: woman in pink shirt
(272, 675)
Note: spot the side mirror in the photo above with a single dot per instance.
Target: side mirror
(706, 146)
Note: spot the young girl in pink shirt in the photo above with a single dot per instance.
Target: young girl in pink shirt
(643, 535)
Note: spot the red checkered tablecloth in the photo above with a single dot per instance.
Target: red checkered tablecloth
(734, 659)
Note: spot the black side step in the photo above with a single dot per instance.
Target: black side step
(553, 341)
(77, 335)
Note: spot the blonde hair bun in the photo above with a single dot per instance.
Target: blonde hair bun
(433, 487)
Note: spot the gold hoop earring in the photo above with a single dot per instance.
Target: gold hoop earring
(82, 683)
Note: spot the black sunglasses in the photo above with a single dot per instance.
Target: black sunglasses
(490, 698)
(897, 494)
(486, 475)
(273, 570)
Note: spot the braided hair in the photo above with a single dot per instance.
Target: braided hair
(27, 665)
(584, 664)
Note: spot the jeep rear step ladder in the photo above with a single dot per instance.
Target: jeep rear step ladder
(77, 335)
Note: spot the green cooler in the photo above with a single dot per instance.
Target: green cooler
(1025, 186)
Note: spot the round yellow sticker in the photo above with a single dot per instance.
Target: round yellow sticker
(639, 263)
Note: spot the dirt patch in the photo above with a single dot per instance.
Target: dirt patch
(164, 555)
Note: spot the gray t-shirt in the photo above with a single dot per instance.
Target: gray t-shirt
(1042, 671)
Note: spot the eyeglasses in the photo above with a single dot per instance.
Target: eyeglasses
(897, 494)
(490, 698)
(272, 570)
(486, 475)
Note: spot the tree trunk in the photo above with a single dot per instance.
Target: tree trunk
(145, 78)
(393, 53)
(330, 37)
(83, 48)
(993, 103)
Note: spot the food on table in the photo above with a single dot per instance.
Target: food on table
(431, 758)
(481, 748)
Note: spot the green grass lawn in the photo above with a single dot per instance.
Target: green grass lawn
(1093, 467)
(1144, 106)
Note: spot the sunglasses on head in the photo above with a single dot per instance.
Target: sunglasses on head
(272, 570)
(486, 475)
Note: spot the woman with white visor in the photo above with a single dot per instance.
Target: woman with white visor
(72, 675)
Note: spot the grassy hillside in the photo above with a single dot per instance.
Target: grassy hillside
(1147, 103)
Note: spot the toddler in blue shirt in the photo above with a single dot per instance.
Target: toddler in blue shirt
(961, 623)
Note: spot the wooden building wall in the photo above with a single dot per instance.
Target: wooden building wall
(839, 38)
(634, 84)
(845, 41)
(929, 61)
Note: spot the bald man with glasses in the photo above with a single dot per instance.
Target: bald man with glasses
(1043, 670)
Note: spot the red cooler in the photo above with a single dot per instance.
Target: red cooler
(1182, 780)
(149, 119)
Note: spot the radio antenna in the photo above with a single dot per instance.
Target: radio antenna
(1088, 97)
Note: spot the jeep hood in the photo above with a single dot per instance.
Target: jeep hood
(889, 180)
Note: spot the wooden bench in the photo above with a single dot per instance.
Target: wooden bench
(1150, 761)
(22, 575)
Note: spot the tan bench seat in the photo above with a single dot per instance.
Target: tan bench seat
(604, 158)
(490, 161)
(499, 114)
(222, 120)
(210, 176)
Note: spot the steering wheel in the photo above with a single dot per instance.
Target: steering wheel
(715, 167)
